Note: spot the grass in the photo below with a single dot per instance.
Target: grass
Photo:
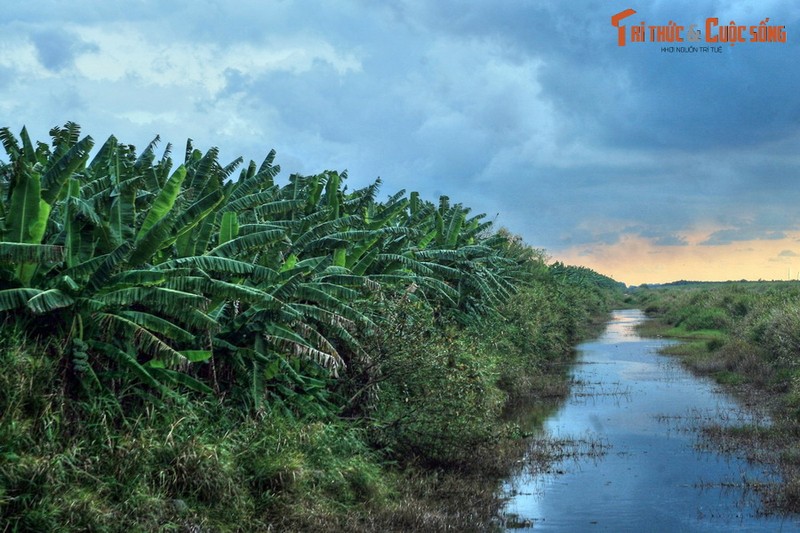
(71, 461)
(174, 473)
(754, 355)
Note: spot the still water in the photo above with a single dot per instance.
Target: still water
(639, 465)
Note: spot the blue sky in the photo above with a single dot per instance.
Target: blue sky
(645, 165)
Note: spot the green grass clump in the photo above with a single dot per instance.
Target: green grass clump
(726, 377)
(179, 466)
(696, 318)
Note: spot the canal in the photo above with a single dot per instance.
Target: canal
(633, 458)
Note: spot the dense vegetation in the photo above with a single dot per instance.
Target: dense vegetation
(746, 335)
(183, 347)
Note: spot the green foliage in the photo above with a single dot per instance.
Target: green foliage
(755, 346)
(436, 392)
(82, 466)
(694, 318)
(778, 333)
(761, 319)
(147, 264)
(181, 346)
(438, 400)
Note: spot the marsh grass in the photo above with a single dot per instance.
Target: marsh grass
(72, 463)
(755, 355)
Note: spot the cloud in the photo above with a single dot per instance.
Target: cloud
(787, 253)
(728, 236)
(126, 52)
(670, 240)
(56, 48)
(529, 110)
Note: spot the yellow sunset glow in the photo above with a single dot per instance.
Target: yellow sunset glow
(636, 260)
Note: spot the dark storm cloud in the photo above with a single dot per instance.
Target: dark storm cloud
(637, 96)
(529, 110)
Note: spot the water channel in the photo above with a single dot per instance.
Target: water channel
(637, 461)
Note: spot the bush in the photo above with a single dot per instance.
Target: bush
(438, 401)
(695, 318)
(779, 335)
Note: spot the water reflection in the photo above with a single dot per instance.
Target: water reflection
(632, 420)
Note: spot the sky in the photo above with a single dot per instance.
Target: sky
(645, 163)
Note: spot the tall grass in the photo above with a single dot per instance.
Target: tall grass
(746, 335)
(424, 451)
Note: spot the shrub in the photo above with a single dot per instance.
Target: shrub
(695, 318)
(438, 401)
(779, 335)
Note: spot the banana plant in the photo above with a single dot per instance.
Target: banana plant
(179, 274)
(73, 233)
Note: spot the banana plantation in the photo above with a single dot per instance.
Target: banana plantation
(141, 289)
